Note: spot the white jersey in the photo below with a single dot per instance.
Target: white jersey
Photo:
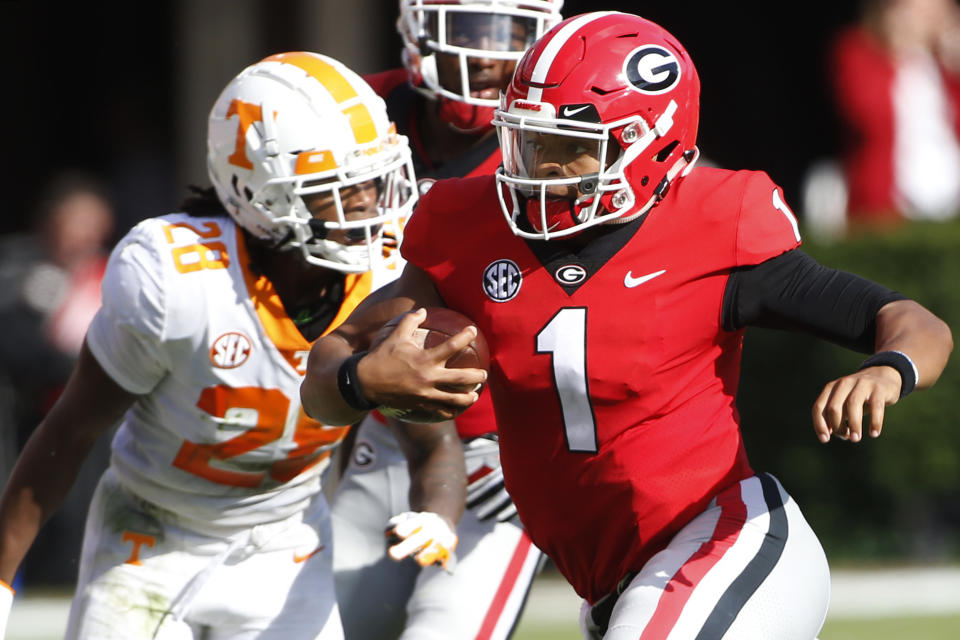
(218, 435)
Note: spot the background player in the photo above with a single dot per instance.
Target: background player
(458, 57)
(613, 283)
(210, 520)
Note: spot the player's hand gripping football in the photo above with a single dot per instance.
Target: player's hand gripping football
(398, 372)
(426, 536)
(841, 406)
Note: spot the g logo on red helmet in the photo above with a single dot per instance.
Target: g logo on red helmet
(652, 69)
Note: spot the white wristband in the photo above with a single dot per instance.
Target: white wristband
(6, 601)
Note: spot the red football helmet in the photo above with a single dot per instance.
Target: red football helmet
(621, 95)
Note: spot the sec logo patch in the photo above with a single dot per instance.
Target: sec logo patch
(502, 280)
(230, 350)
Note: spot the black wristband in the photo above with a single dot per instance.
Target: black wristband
(349, 384)
(899, 361)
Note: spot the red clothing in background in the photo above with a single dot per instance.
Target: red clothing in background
(863, 75)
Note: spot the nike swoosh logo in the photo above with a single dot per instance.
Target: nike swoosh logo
(298, 558)
(630, 282)
(567, 111)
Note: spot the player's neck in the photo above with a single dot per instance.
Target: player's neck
(297, 282)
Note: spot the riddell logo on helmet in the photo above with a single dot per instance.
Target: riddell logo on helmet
(652, 69)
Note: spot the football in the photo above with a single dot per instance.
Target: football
(440, 324)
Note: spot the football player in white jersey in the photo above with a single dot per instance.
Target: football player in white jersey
(210, 520)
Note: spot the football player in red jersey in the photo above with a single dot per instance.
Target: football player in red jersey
(613, 282)
(458, 56)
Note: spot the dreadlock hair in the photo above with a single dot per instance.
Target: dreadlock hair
(203, 203)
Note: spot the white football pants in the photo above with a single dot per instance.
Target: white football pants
(748, 567)
(383, 599)
(145, 574)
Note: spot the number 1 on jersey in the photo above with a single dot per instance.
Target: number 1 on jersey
(565, 339)
(782, 207)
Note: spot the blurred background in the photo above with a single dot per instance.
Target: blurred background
(123, 89)
(105, 108)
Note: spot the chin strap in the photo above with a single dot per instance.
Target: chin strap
(660, 128)
(463, 117)
(625, 196)
(318, 228)
(682, 167)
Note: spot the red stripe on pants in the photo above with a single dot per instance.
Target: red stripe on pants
(506, 588)
(733, 515)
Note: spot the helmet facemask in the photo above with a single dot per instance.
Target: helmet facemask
(468, 34)
(537, 208)
(344, 244)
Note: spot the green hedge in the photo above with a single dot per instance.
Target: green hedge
(893, 498)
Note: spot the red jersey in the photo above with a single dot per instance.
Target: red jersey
(612, 379)
(404, 106)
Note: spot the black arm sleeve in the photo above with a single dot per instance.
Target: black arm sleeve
(793, 291)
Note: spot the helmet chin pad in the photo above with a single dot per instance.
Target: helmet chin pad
(467, 118)
(561, 214)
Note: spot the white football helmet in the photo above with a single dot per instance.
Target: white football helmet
(498, 29)
(297, 124)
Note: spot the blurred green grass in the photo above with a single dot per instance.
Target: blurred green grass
(906, 628)
(553, 619)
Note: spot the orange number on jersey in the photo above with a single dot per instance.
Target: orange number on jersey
(212, 230)
(267, 410)
(200, 257)
(309, 436)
